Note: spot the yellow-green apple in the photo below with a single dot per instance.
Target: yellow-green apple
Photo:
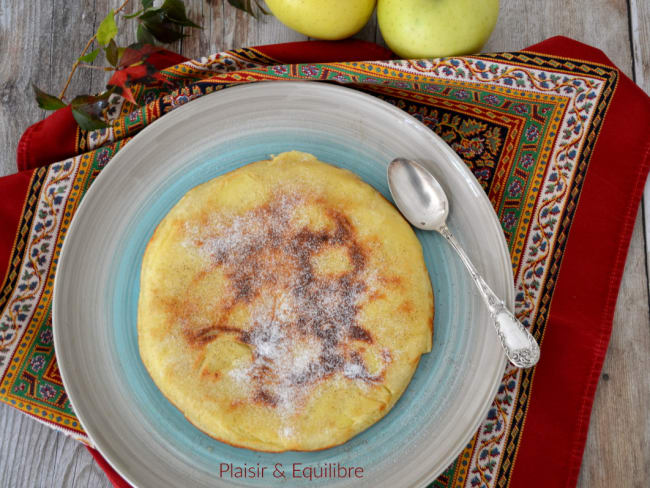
(433, 28)
(323, 19)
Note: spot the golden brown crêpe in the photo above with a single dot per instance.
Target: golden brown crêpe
(284, 305)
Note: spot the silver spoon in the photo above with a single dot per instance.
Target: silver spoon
(423, 202)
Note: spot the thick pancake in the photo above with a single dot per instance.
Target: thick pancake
(284, 305)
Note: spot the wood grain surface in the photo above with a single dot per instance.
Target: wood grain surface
(39, 41)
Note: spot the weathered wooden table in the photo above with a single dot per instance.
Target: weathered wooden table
(39, 41)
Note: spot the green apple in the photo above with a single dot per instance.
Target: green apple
(435, 28)
(323, 19)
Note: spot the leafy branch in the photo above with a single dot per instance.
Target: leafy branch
(129, 64)
(108, 27)
(251, 7)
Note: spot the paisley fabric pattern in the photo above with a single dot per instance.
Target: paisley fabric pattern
(526, 124)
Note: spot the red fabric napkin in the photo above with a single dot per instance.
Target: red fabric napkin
(548, 444)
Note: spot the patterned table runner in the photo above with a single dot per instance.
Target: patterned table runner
(557, 137)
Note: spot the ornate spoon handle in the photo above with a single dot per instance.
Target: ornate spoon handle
(519, 345)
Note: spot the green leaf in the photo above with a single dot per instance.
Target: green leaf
(80, 100)
(240, 4)
(144, 36)
(86, 120)
(89, 57)
(147, 4)
(112, 53)
(175, 12)
(88, 109)
(155, 15)
(134, 14)
(251, 7)
(47, 101)
(107, 29)
(163, 33)
(155, 22)
(137, 53)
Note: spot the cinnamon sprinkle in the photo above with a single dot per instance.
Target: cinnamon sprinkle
(301, 322)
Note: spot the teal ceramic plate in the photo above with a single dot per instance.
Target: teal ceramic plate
(137, 430)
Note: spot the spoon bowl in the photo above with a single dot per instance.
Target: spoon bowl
(424, 203)
(426, 206)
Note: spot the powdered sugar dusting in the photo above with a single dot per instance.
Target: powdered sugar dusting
(300, 322)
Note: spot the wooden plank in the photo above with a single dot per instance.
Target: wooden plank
(73, 24)
(640, 26)
(617, 443)
(600, 23)
(210, 39)
(33, 455)
(370, 31)
(625, 381)
(241, 30)
(25, 47)
(617, 451)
